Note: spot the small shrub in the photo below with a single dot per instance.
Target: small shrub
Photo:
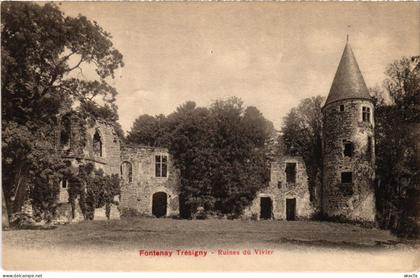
(254, 216)
(20, 220)
(201, 213)
(231, 216)
(407, 228)
(343, 219)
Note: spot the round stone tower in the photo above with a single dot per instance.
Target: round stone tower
(348, 145)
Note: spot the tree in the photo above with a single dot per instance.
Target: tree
(148, 130)
(38, 43)
(93, 188)
(397, 154)
(41, 48)
(302, 135)
(107, 112)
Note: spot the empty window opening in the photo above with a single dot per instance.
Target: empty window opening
(97, 144)
(366, 114)
(127, 171)
(293, 150)
(348, 148)
(341, 107)
(346, 177)
(161, 165)
(291, 172)
(64, 183)
(65, 132)
(279, 184)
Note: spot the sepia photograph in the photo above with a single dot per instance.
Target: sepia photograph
(210, 137)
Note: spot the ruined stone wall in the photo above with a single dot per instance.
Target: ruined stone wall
(354, 201)
(110, 161)
(279, 190)
(138, 194)
(80, 147)
(80, 151)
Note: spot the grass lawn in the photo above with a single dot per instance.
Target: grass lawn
(115, 245)
(169, 233)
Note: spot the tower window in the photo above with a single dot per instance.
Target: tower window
(64, 183)
(161, 165)
(346, 177)
(279, 184)
(291, 172)
(348, 148)
(341, 107)
(366, 114)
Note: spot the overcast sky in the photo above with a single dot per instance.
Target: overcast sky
(271, 55)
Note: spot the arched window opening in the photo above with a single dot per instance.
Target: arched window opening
(127, 171)
(97, 144)
(65, 133)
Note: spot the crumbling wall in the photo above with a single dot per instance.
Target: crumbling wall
(79, 151)
(109, 162)
(137, 195)
(279, 190)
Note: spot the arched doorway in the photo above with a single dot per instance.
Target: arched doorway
(266, 208)
(159, 204)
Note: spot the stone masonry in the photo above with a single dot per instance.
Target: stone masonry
(280, 190)
(150, 183)
(103, 153)
(354, 200)
(137, 192)
(348, 145)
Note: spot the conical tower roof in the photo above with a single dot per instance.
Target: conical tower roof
(348, 81)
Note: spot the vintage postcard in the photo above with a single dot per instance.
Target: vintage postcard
(210, 136)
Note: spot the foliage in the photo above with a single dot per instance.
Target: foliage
(220, 152)
(94, 189)
(41, 49)
(397, 131)
(38, 43)
(302, 135)
(148, 130)
(31, 168)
